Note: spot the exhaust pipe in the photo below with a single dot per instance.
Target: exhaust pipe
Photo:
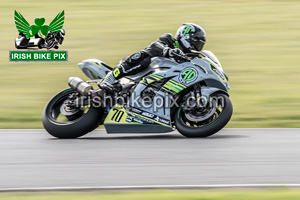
(80, 86)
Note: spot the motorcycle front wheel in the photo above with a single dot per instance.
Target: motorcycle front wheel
(204, 121)
(66, 122)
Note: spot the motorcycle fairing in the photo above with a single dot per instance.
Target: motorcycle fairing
(120, 120)
(170, 74)
(94, 69)
(164, 69)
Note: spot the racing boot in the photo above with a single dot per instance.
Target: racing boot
(105, 88)
(107, 83)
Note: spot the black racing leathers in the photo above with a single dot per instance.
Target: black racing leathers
(140, 60)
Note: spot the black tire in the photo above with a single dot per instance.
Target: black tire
(18, 47)
(72, 129)
(208, 129)
(41, 43)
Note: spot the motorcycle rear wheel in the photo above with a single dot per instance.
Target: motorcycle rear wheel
(73, 126)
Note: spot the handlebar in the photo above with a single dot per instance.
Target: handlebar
(195, 54)
(184, 58)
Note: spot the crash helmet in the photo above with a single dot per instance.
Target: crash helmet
(61, 36)
(191, 37)
(62, 32)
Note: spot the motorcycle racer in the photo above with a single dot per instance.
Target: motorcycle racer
(54, 38)
(188, 37)
(144, 102)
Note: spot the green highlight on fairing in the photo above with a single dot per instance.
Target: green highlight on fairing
(173, 87)
(156, 76)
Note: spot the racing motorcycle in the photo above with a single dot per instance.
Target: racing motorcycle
(52, 40)
(190, 95)
(21, 42)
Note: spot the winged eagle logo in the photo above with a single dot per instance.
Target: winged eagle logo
(39, 28)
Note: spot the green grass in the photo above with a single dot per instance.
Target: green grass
(257, 42)
(163, 195)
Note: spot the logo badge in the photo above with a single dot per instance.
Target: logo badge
(187, 29)
(39, 36)
(188, 75)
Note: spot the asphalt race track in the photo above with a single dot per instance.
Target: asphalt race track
(32, 158)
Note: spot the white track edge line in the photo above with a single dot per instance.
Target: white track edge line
(147, 187)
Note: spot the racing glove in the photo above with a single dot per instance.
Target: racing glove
(177, 54)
